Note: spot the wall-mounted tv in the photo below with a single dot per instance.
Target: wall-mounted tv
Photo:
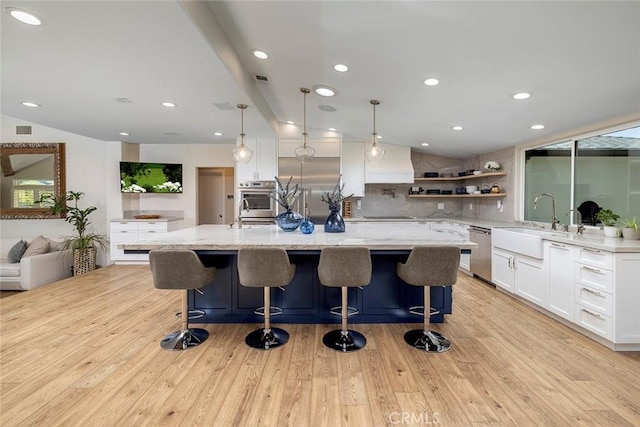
(138, 177)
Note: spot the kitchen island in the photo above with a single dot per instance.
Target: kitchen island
(305, 300)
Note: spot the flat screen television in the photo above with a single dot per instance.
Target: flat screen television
(139, 177)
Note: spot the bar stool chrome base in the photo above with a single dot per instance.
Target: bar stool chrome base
(184, 339)
(266, 339)
(344, 341)
(429, 341)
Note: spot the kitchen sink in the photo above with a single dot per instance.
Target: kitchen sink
(525, 241)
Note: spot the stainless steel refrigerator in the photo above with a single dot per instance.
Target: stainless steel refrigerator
(318, 175)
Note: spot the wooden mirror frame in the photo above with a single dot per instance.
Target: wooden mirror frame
(59, 175)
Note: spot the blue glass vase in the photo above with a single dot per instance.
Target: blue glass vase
(307, 227)
(334, 222)
(289, 220)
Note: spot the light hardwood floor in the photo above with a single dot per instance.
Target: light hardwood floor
(85, 352)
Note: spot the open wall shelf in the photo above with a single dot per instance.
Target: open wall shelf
(462, 178)
(435, 196)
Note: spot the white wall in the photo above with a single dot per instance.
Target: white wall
(86, 172)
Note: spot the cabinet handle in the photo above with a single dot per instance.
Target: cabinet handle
(558, 245)
(593, 314)
(515, 263)
(595, 251)
(592, 291)
(151, 231)
(593, 270)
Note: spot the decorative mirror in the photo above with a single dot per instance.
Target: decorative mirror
(29, 170)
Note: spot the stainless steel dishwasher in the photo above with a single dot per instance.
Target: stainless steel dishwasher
(481, 256)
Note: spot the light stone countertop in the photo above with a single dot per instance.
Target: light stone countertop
(161, 219)
(374, 236)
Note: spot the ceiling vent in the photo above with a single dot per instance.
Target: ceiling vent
(224, 106)
(124, 100)
(23, 130)
(260, 79)
(327, 108)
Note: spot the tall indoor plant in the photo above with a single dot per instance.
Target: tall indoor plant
(608, 219)
(84, 243)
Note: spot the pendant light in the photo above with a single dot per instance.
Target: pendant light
(374, 153)
(304, 153)
(242, 153)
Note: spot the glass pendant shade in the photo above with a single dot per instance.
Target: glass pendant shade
(305, 152)
(242, 153)
(374, 153)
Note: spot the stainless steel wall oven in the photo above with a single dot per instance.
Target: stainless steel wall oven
(256, 203)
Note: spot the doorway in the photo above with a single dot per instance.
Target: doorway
(215, 196)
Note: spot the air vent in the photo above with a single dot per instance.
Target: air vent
(23, 130)
(327, 108)
(171, 133)
(124, 100)
(223, 106)
(260, 79)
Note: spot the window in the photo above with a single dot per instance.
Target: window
(26, 192)
(584, 175)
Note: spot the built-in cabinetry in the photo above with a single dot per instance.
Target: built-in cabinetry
(459, 179)
(263, 166)
(352, 168)
(519, 274)
(560, 297)
(324, 147)
(127, 231)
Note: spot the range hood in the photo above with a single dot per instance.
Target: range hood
(395, 167)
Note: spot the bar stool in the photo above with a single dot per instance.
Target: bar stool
(181, 269)
(428, 266)
(265, 268)
(344, 267)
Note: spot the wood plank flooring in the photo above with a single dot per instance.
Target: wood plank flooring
(85, 352)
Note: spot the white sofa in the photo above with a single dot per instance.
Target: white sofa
(32, 271)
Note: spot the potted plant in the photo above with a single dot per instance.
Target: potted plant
(629, 229)
(334, 198)
(286, 196)
(84, 243)
(608, 219)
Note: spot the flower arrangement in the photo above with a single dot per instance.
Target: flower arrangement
(492, 166)
(286, 195)
(335, 196)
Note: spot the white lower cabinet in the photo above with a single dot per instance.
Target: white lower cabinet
(519, 274)
(560, 293)
(134, 231)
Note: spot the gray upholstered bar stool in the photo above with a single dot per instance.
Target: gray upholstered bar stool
(429, 266)
(265, 268)
(344, 267)
(181, 269)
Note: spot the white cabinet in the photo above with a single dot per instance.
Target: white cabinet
(264, 163)
(324, 147)
(560, 295)
(134, 231)
(519, 274)
(353, 168)
(395, 166)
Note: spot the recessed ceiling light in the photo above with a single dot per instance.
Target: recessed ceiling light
(30, 104)
(521, 95)
(290, 122)
(325, 91)
(431, 82)
(260, 54)
(218, 133)
(24, 16)
(125, 133)
(169, 104)
(425, 144)
(537, 127)
(379, 136)
(457, 127)
(333, 129)
(341, 68)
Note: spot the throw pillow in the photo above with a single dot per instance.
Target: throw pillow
(16, 252)
(55, 245)
(39, 245)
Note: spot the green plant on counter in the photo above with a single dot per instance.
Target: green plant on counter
(630, 223)
(607, 217)
(286, 195)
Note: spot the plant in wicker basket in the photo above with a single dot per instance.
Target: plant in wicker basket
(84, 243)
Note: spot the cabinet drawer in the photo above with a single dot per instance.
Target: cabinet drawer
(594, 277)
(124, 226)
(594, 321)
(595, 257)
(596, 300)
(152, 226)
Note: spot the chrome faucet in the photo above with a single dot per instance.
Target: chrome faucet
(580, 226)
(554, 218)
(244, 204)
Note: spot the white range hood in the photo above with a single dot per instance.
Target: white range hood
(394, 168)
